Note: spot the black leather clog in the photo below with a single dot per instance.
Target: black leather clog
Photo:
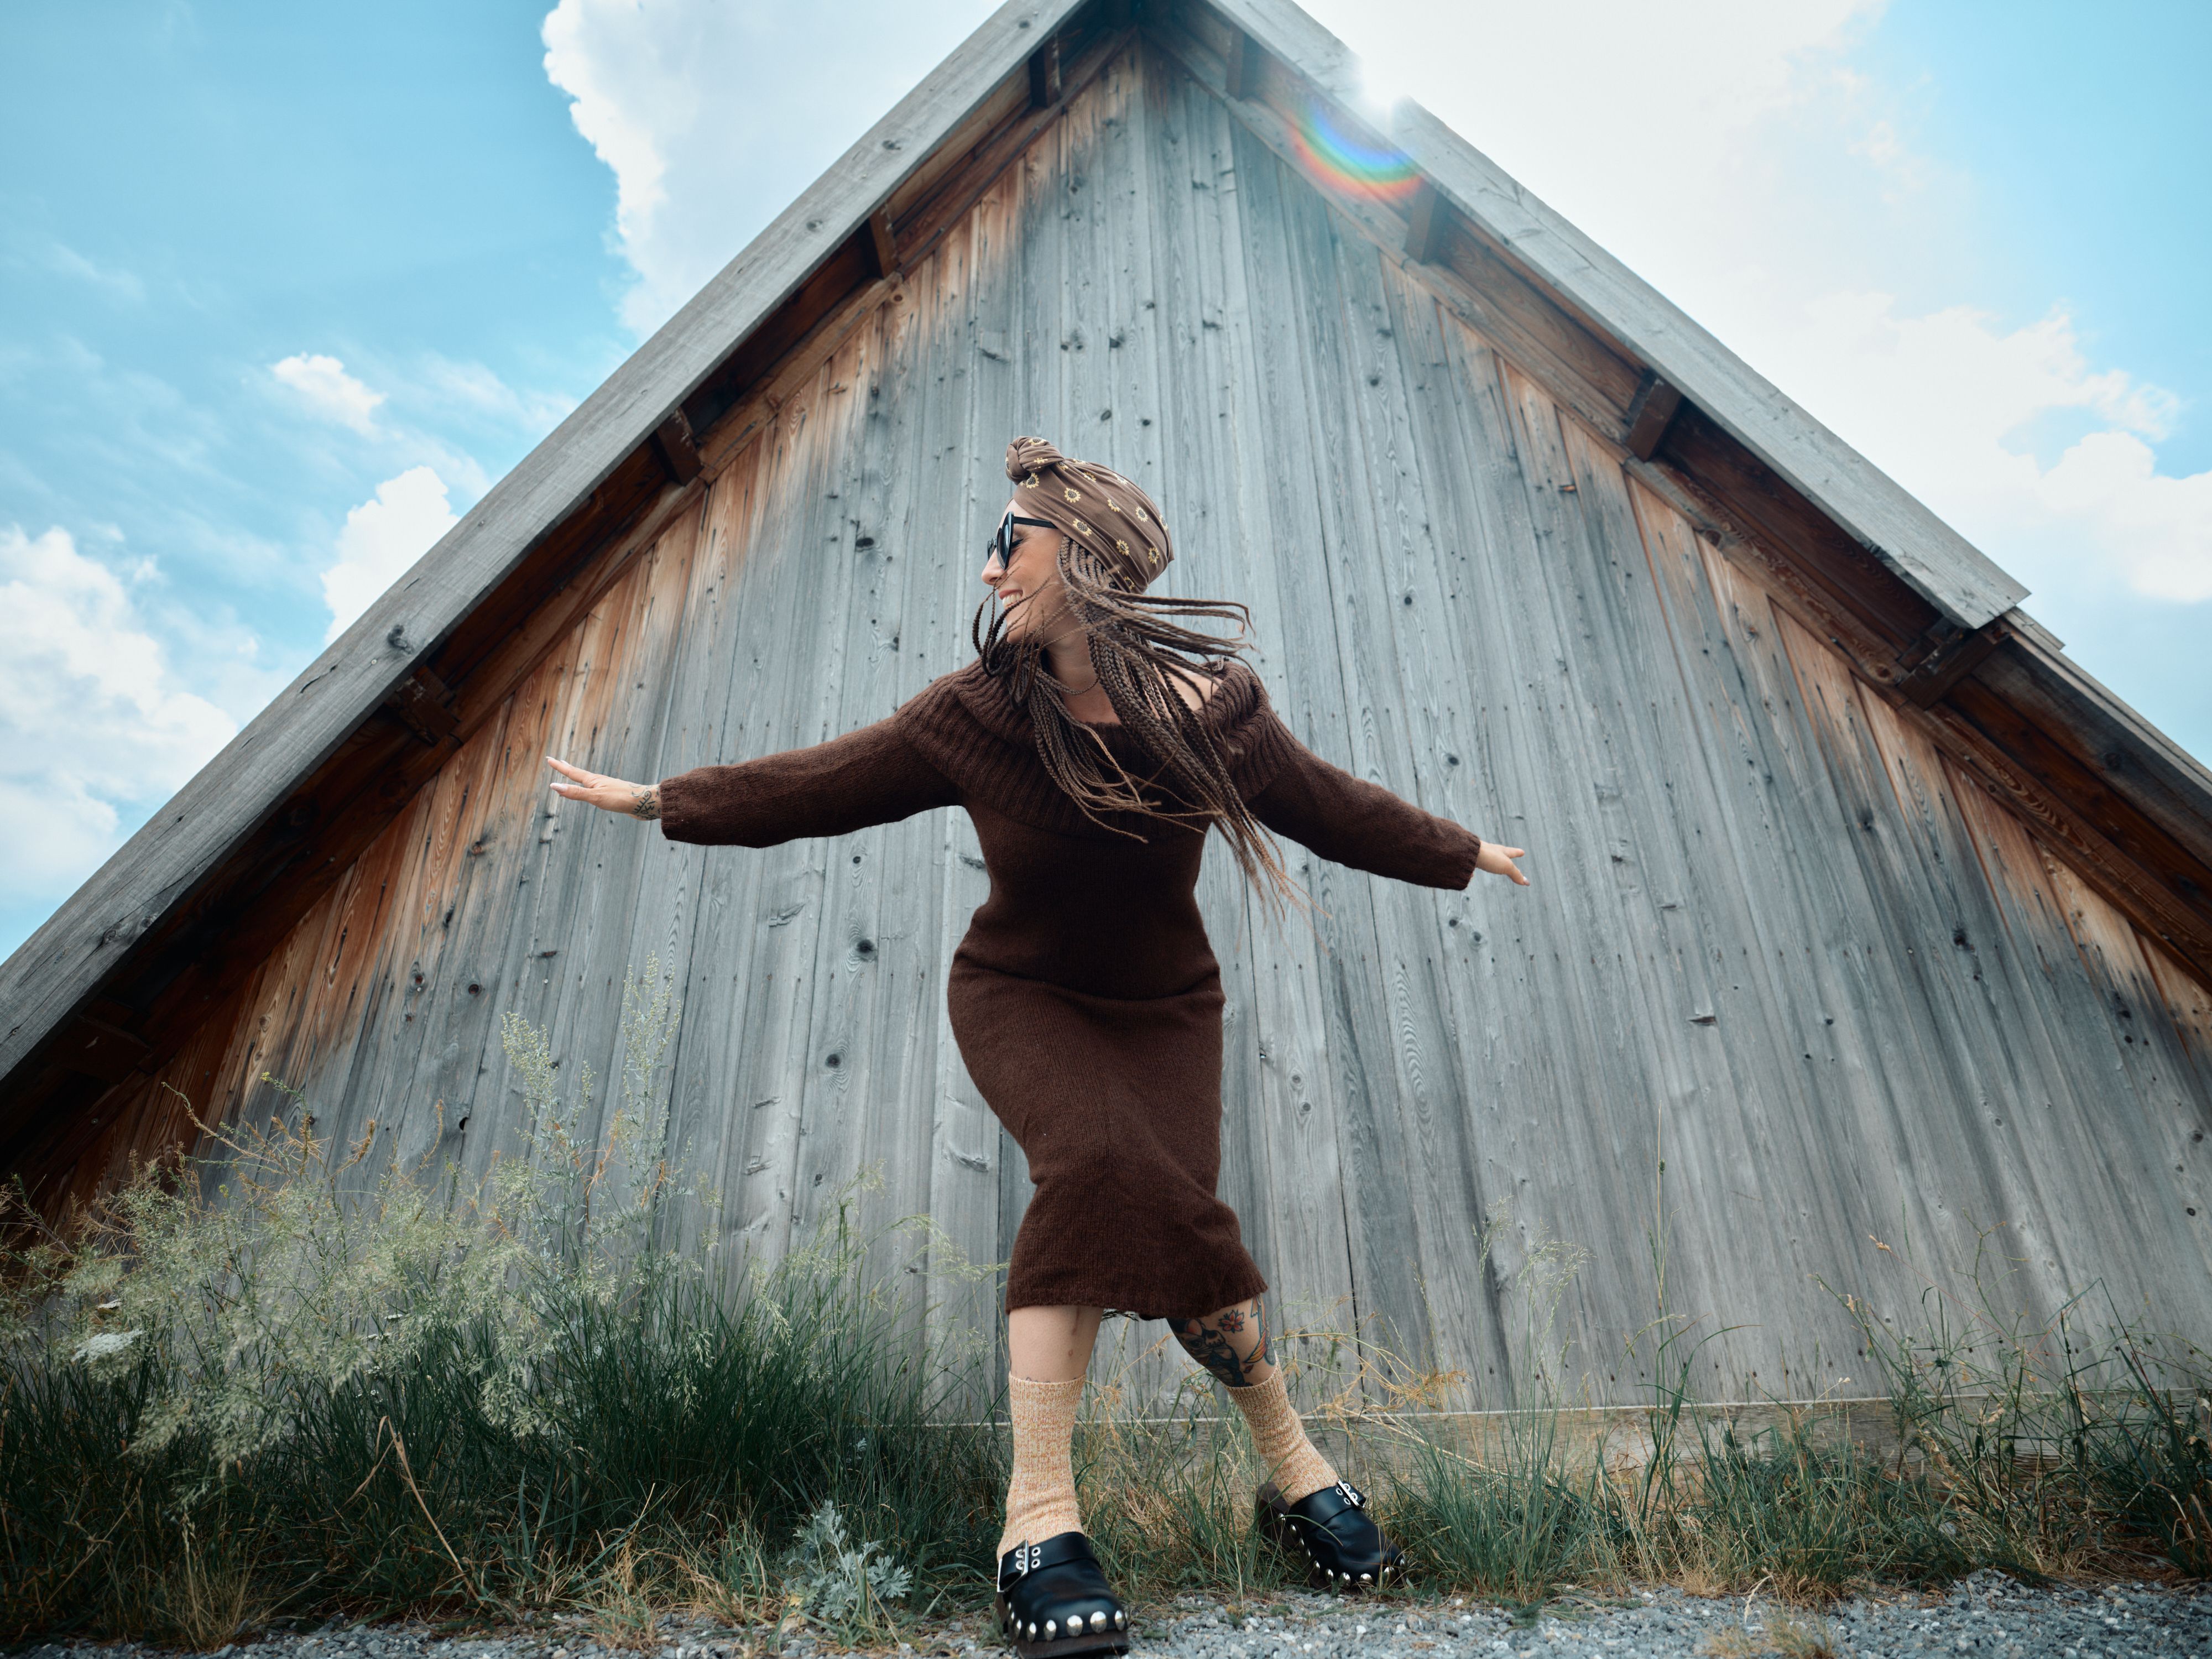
(1053, 1601)
(1332, 1532)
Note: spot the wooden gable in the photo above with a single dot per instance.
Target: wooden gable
(1849, 886)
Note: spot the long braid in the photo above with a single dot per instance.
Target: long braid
(1135, 648)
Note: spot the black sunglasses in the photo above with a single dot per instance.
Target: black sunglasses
(1001, 545)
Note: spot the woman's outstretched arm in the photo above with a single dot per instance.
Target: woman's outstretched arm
(1361, 824)
(871, 775)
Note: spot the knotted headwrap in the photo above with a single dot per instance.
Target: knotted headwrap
(1109, 516)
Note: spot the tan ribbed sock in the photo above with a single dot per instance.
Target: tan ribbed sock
(1297, 1469)
(1041, 1498)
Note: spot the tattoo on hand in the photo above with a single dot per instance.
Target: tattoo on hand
(1208, 1344)
(647, 804)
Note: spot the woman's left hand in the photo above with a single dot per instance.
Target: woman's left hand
(637, 800)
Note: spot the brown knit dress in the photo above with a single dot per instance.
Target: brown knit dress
(1084, 998)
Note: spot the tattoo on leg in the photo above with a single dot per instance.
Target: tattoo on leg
(1208, 1343)
(1212, 1350)
(1258, 1354)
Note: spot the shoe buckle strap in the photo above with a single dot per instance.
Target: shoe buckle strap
(1351, 1494)
(1025, 1558)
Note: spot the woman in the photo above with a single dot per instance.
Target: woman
(1094, 741)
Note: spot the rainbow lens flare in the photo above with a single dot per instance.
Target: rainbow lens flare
(1339, 161)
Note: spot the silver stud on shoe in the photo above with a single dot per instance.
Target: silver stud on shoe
(1097, 1621)
(1120, 1619)
(1051, 1629)
(1032, 1631)
(1366, 1577)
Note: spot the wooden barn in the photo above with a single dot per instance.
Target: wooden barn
(1855, 898)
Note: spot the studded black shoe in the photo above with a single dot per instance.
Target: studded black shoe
(1053, 1601)
(1332, 1532)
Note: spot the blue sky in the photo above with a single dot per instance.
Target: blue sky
(2081, 138)
(283, 288)
(193, 197)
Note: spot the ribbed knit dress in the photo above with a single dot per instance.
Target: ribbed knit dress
(1084, 998)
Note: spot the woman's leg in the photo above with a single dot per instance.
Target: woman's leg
(1232, 1344)
(1048, 1350)
(1052, 1345)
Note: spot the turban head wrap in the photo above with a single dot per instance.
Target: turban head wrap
(1101, 510)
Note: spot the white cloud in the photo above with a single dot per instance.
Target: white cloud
(2155, 530)
(713, 117)
(1942, 403)
(92, 722)
(382, 537)
(114, 280)
(324, 386)
(473, 387)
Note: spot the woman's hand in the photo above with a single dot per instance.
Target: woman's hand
(637, 800)
(1499, 861)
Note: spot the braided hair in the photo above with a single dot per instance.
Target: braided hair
(1113, 540)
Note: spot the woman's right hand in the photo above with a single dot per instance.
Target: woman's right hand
(1497, 861)
(637, 800)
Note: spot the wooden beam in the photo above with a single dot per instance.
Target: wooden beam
(1424, 230)
(1943, 656)
(677, 448)
(1247, 62)
(1045, 74)
(884, 241)
(424, 706)
(92, 1047)
(1650, 413)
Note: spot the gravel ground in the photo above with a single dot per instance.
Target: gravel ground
(1988, 1616)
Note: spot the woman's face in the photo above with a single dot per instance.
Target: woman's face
(1028, 585)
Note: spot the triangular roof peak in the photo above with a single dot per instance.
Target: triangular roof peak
(101, 991)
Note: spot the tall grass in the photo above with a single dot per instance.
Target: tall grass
(293, 1379)
(2040, 1452)
(290, 1380)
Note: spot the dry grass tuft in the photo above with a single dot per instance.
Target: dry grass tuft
(1781, 1634)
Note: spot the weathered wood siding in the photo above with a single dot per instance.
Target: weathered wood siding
(1774, 935)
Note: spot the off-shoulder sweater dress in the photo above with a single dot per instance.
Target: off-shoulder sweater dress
(1084, 997)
